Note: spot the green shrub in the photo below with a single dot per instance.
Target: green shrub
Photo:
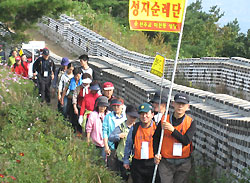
(37, 144)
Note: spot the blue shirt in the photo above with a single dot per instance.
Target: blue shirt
(72, 84)
(128, 147)
(109, 123)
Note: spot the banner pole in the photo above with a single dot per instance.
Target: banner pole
(162, 78)
(171, 86)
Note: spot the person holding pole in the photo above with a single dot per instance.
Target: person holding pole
(159, 104)
(140, 141)
(175, 157)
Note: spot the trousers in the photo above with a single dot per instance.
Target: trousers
(73, 118)
(44, 84)
(174, 173)
(142, 171)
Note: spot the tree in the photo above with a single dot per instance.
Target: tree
(116, 8)
(200, 35)
(235, 44)
(18, 15)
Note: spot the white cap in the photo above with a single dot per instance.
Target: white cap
(87, 80)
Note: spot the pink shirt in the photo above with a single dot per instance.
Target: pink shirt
(94, 127)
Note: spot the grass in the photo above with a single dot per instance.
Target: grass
(37, 144)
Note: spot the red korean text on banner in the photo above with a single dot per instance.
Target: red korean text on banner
(156, 15)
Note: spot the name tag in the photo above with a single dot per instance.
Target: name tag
(177, 149)
(144, 150)
(45, 74)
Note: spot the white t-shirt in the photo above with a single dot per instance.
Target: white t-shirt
(89, 71)
(157, 117)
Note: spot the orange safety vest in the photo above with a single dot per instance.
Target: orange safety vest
(142, 135)
(169, 140)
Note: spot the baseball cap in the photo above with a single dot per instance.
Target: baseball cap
(86, 81)
(131, 111)
(108, 86)
(102, 101)
(181, 98)
(95, 87)
(145, 107)
(45, 51)
(116, 101)
(65, 61)
(157, 100)
(18, 58)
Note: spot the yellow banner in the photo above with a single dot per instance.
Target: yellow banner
(21, 52)
(156, 15)
(158, 66)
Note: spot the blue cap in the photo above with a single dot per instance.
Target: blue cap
(95, 87)
(65, 61)
(145, 107)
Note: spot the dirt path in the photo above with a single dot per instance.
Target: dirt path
(35, 35)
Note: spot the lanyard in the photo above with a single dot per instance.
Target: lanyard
(45, 65)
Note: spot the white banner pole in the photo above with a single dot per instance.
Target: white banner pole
(162, 78)
(171, 86)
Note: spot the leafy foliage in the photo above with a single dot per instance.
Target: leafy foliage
(37, 144)
(19, 15)
(203, 37)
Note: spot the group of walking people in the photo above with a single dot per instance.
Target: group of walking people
(127, 137)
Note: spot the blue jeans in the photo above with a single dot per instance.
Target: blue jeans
(102, 152)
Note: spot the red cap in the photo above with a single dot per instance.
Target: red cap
(43, 49)
(18, 58)
(108, 86)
